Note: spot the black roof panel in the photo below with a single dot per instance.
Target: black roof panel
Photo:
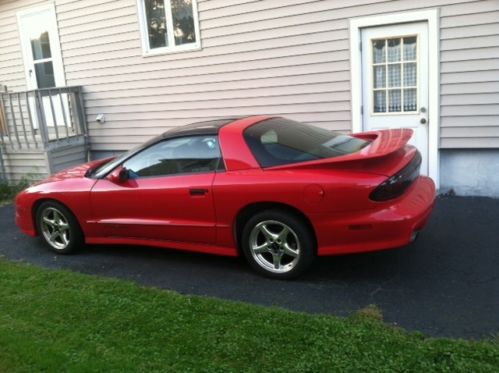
(208, 127)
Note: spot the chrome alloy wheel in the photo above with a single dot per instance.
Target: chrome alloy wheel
(274, 246)
(55, 228)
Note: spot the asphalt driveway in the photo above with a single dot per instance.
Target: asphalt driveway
(444, 284)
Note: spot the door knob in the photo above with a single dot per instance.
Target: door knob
(422, 121)
(423, 109)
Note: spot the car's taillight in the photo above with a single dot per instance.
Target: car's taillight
(398, 183)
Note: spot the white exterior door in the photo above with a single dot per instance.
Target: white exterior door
(43, 60)
(395, 81)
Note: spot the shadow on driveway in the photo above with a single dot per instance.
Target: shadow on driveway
(444, 284)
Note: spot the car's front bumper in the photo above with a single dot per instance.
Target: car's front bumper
(392, 224)
(24, 217)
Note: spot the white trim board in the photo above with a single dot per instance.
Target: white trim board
(171, 48)
(432, 18)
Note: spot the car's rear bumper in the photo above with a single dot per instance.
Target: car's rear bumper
(393, 224)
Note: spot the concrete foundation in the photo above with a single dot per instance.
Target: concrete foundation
(470, 172)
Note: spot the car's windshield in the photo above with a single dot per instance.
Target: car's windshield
(280, 141)
(107, 167)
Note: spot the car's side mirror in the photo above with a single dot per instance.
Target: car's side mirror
(119, 175)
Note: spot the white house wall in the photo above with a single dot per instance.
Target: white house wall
(282, 57)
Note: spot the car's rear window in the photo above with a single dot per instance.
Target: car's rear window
(280, 141)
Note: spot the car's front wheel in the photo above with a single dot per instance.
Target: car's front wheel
(58, 227)
(278, 244)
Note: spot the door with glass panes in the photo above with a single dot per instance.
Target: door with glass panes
(395, 81)
(43, 62)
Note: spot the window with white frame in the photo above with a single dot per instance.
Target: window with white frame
(395, 75)
(169, 25)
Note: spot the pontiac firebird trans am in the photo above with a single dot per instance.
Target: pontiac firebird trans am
(274, 190)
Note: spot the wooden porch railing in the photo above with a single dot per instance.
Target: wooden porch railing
(40, 121)
(41, 118)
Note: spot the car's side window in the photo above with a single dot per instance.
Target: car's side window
(191, 154)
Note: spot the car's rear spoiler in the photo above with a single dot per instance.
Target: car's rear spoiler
(382, 143)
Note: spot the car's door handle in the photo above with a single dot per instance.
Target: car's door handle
(198, 192)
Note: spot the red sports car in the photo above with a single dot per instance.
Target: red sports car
(277, 191)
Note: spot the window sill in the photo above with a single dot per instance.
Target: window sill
(166, 51)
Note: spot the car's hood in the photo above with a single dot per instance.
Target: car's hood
(74, 172)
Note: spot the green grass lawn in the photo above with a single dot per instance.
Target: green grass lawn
(59, 321)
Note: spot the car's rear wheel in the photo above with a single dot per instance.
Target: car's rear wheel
(278, 244)
(58, 227)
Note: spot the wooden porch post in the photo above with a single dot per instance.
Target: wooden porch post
(3, 174)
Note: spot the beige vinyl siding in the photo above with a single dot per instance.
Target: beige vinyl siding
(11, 61)
(291, 73)
(470, 75)
(31, 165)
(65, 157)
(279, 57)
(36, 164)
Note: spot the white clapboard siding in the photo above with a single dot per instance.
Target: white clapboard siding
(276, 57)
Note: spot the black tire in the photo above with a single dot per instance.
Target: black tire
(58, 228)
(264, 241)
